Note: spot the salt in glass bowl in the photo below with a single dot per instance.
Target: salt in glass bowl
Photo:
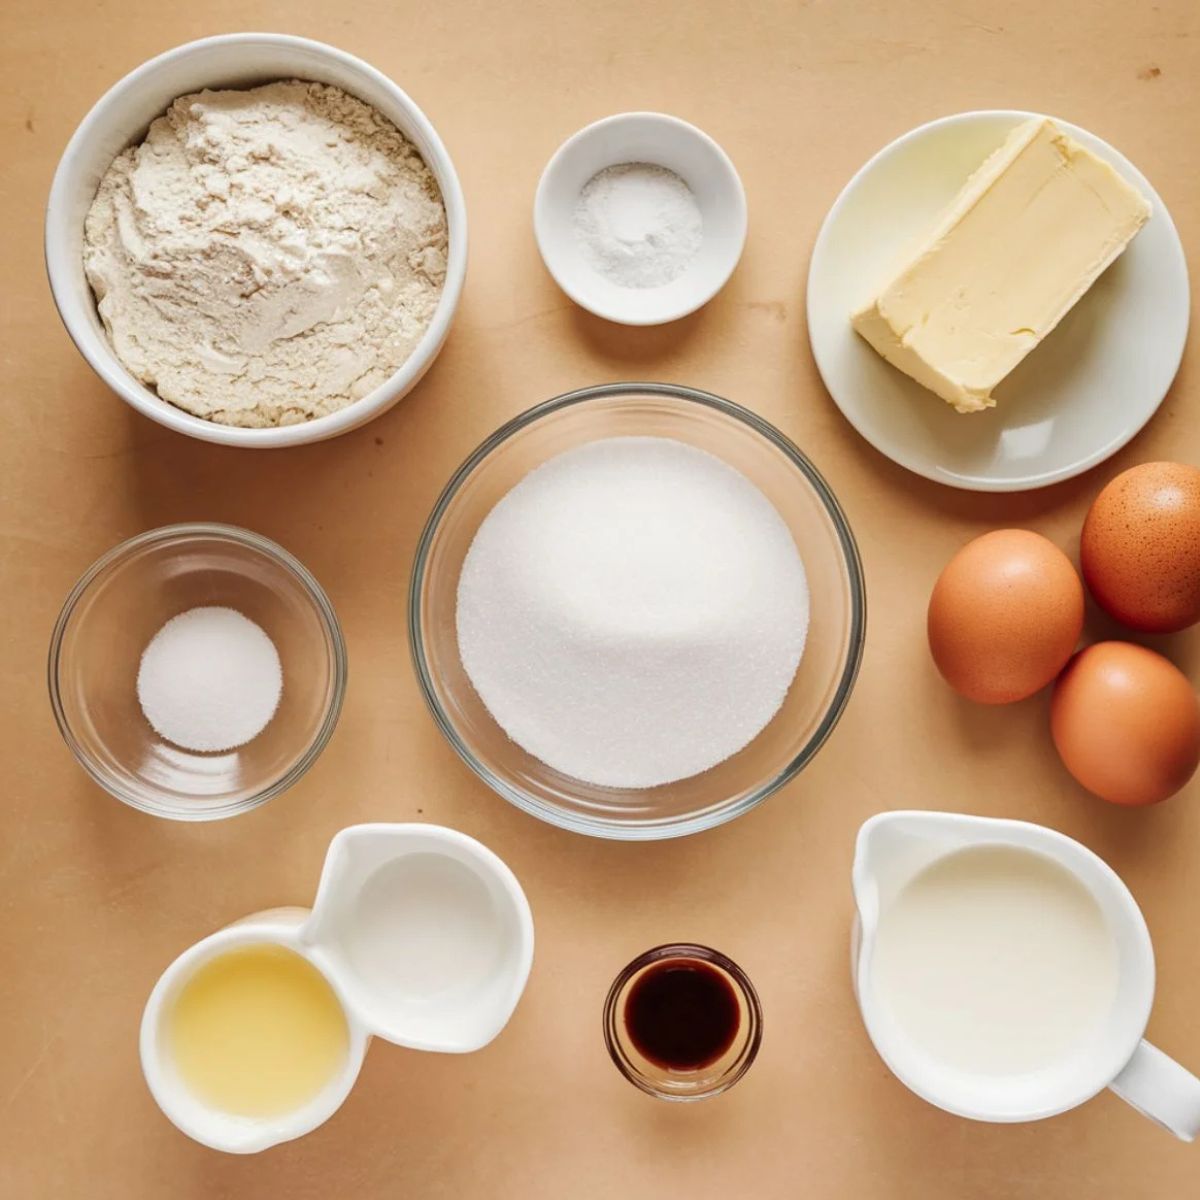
(111, 615)
(824, 678)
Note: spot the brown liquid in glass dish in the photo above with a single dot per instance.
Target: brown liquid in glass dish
(682, 1014)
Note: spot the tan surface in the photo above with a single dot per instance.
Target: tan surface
(97, 898)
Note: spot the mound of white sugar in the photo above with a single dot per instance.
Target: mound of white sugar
(632, 612)
(210, 679)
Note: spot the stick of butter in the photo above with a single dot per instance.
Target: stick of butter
(1030, 232)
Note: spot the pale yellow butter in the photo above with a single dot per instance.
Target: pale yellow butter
(1030, 232)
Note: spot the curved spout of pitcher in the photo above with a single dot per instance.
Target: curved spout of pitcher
(864, 875)
(873, 851)
(893, 846)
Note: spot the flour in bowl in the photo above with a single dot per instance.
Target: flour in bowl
(267, 256)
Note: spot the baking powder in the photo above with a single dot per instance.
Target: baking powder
(638, 225)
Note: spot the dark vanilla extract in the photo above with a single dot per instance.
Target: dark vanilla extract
(682, 1014)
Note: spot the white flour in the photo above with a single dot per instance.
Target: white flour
(267, 256)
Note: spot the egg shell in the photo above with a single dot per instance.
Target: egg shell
(1140, 548)
(1005, 616)
(1126, 723)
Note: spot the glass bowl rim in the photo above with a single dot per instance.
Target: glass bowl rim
(684, 951)
(656, 828)
(222, 532)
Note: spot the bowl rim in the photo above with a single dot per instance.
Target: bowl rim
(242, 537)
(682, 129)
(654, 828)
(103, 360)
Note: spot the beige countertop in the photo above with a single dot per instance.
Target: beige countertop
(96, 898)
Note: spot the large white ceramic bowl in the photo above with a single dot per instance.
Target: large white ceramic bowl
(121, 117)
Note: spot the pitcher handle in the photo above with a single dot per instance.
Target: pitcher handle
(1161, 1089)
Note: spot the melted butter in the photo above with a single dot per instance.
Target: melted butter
(257, 1032)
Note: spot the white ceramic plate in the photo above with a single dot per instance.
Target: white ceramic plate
(1076, 400)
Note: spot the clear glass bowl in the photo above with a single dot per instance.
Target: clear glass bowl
(699, 1084)
(122, 601)
(823, 681)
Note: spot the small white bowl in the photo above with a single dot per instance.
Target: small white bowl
(1075, 401)
(120, 118)
(641, 137)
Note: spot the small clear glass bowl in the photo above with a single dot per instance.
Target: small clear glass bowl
(123, 600)
(823, 681)
(660, 1082)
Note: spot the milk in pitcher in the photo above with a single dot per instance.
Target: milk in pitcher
(995, 959)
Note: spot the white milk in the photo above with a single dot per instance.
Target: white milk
(423, 926)
(995, 960)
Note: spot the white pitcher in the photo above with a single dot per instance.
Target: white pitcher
(892, 849)
(425, 937)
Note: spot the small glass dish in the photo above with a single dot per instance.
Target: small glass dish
(818, 693)
(701, 1083)
(122, 601)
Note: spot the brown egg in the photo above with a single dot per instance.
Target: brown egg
(1126, 723)
(1005, 615)
(1140, 549)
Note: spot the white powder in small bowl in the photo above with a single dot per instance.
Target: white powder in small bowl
(638, 225)
(632, 612)
(209, 680)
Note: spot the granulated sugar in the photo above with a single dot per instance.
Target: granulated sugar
(632, 612)
(210, 679)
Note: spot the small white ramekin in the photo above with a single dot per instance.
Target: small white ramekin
(664, 141)
(121, 117)
(207, 1125)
